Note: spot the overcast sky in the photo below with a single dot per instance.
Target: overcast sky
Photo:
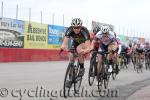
(131, 15)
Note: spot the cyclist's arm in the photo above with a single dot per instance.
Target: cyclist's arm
(65, 43)
(96, 38)
(92, 44)
(87, 46)
(87, 42)
(114, 47)
(120, 48)
(66, 38)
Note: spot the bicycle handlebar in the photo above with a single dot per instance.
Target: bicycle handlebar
(61, 50)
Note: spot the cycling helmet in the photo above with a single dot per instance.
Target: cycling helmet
(147, 42)
(130, 45)
(105, 29)
(96, 29)
(76, 22)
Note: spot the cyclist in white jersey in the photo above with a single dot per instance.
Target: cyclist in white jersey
(108, 43)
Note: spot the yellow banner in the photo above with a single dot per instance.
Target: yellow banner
(53, 46)
(36, 35)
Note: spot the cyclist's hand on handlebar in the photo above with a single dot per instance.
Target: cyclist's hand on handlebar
(86, 51)
(81, 51)
(60, 51)
(92, 50)
(64, 47)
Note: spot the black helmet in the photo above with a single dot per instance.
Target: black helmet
(96, 29)
(130, 45)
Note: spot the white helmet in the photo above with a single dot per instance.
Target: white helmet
(76, 22)
(105, 29)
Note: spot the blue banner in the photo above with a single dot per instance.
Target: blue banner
(55, 35)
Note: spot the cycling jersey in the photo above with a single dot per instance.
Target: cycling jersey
(139, 50)
(147, 49)
(106, 39)
(92, 36)
(79, 38)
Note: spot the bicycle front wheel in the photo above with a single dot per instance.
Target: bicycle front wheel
(77, 78)
(100, 74)
(68, 80)
(106, 76)
(91, 74)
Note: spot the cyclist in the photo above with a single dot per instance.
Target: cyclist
(80, 41)
(129, 53)
(119, 48)
(127, 49)
(95, 30)
(139, 50)
(108, 43)
(96, 46)
(93, 34)
(147, 49)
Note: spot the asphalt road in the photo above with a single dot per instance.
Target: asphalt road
(44, 81)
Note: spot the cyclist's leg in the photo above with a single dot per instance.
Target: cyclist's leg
(98, 69)
(96, 48)
(71, 57)
(80, 47)
(81, 63)
(142, 57)
(111, 55)
(110, 48)
(117, 61)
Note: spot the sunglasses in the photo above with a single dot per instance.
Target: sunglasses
(76, 27)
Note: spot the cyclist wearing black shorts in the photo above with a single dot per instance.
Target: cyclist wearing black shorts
(139, 50)
(147, 49)
(80, 41)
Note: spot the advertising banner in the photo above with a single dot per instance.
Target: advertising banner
(11, 33)
(124, 39)
(36, 35)
(94, 24)
(55, 36)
